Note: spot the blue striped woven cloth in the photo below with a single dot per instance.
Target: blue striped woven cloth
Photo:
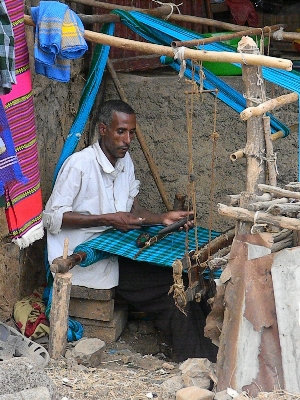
(59, 37)
(162, 253)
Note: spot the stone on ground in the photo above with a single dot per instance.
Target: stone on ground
(194, 393)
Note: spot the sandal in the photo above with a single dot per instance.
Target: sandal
(14, 344)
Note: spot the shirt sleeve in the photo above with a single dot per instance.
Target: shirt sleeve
(65, 190)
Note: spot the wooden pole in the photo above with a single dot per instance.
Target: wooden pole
(59, 313)
(142, 141)
(215, 56)
(259, 217)
(268, 106)
(279, 192)
(221, 37)
(255, 144)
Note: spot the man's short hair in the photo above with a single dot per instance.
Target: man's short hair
(110, 106)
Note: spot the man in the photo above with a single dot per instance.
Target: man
(95, 190)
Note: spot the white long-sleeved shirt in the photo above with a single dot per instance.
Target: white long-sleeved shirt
(88, 183)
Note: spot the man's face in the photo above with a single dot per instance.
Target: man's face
(115, 138)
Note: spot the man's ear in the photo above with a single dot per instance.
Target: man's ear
(102, 128)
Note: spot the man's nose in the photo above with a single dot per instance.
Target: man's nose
(127, 138)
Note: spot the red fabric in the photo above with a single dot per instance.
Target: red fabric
(243, 12)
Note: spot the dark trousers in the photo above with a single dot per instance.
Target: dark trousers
(145, 286)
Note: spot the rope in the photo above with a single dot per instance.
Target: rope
(178, 287)
(179, 55)
(172, 5)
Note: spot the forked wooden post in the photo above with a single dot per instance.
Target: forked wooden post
(60, 311)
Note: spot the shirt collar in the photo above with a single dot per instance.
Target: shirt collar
(105, 163)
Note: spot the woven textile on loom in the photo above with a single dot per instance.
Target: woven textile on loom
(162, 253)
(23, 201)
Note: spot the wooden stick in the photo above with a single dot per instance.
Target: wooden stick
(59, 313)
(283, 244)
(149, 48)
(221, 37)
(259, 217)
(279, 192)
(214, 246)
(264, 205)
(281, 209)
(142, 141)
(283, 234)
(268, 106)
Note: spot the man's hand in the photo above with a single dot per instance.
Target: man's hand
(174, 216)
(125, 221)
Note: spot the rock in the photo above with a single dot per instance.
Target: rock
(170, 387)
(89, 352)
(29, 394)
(197, 372)
(222, 396)
(19, 373)
(194, 393)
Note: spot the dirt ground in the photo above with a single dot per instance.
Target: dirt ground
(135, 367)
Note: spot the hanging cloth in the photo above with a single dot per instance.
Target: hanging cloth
(23, 200)
(59, 38)
(9, 164)
(7, 52)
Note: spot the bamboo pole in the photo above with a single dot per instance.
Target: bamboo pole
(258, 217)
(149, 48)
(142, 141)
(221, 37)
(268, 106)
(237, 155)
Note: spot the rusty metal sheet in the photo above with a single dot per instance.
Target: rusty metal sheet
(247, 364)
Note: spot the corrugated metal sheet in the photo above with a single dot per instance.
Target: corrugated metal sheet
(127, 60)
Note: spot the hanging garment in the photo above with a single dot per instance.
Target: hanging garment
(23, 201)
(7, 52)
(243, 12)
(9, 164)
(58, 39)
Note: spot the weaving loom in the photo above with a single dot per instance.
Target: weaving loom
(162, 253)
